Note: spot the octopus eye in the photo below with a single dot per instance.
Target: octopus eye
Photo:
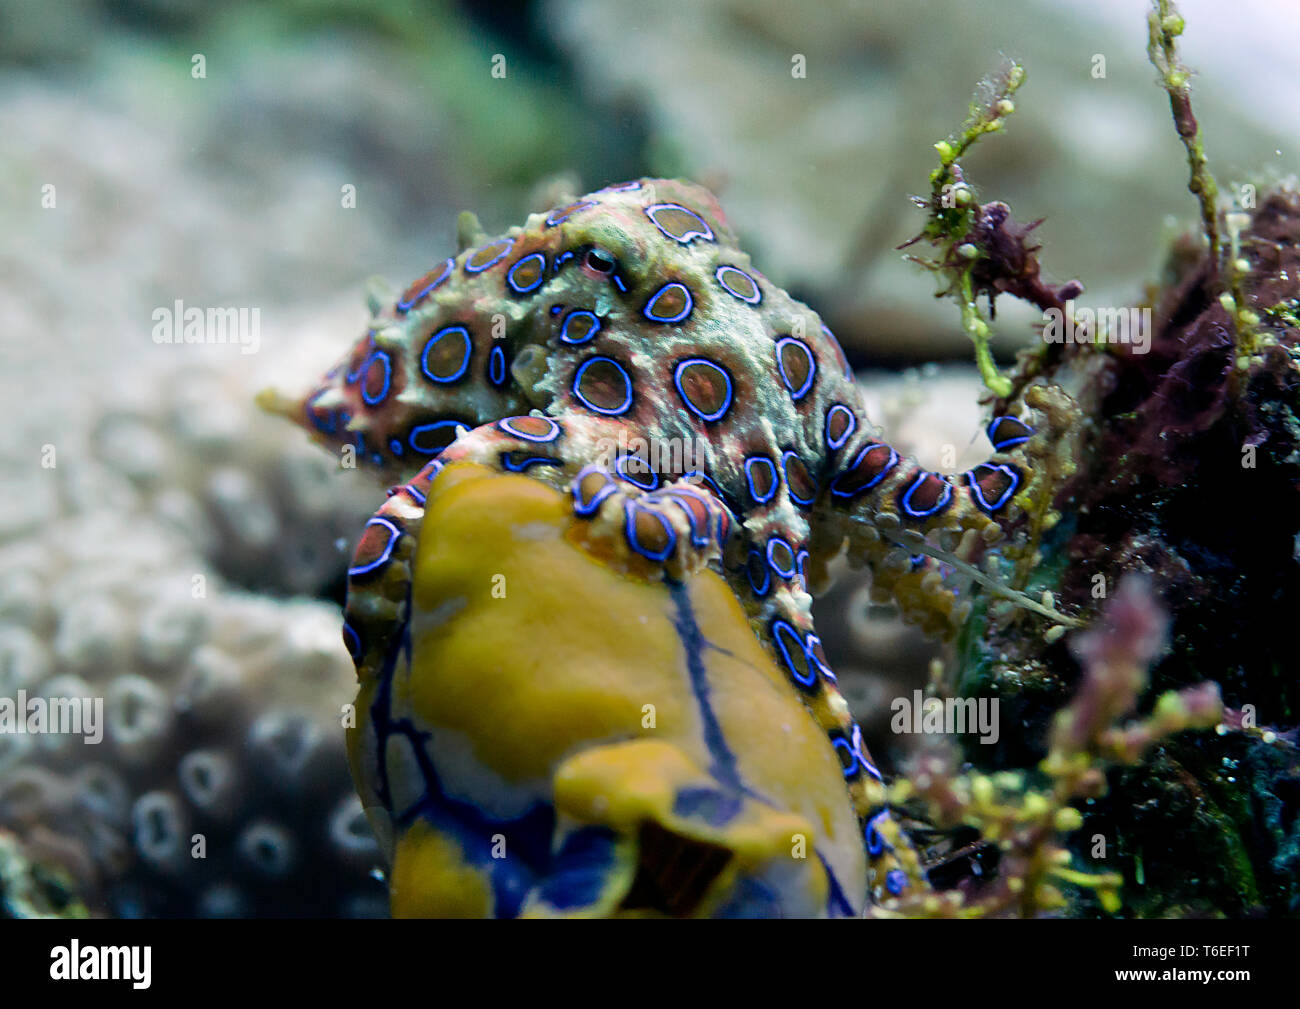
(599, 261)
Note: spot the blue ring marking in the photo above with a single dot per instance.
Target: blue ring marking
(417, 496)
(893, 461)
(758, 293)
(699, 474)
(422, 429)
(377, 459)
(648, 311)
(512, 464)
(1007, 442)
(622, 187)
(801, 566)
(866, 762)
(541, 274)
(977, 492)
(556, 309)
(619, 283)
(772, 543)
(802, 391)
(431, 469)
(497, 366)
(699, 537)
(561, 259)
(876, 843)
(848, 368)
(789, 487)
(780, 628)
(630, 510)
(816, 660)
(844, 746)
(754, 460)
(405, 305)
(506, 424)
(627, 379)
(677, 381)
(436, 338)
(351, 640)
(940, 505)
(749, 573)
(838, 443)
(895, 881)
(396, 447)
(386, 361)
(355, 373)
(509, 244)
(650, 476)
(591, 334)
(569, 211)
(706, 233)
(382, 559)
(591, 507)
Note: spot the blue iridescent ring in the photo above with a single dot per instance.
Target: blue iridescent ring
(644, 477)
(506, 243)
(761, 460)
(508, 425)
(724, 274)
(630, 511)
(407, 303)
(702, 412)
(683, 313)
(541, 273)
(394, 535)
(615, 411)
(773, 544)
(836, 442)
(442, 334)
(497, 366)
(697, 226)
(580, 314)
(789, 643)
(420, 430)
(376, 357)
(944, 498)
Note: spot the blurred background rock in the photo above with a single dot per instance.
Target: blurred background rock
(227, 191)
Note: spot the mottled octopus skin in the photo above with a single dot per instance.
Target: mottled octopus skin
(630, 324)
